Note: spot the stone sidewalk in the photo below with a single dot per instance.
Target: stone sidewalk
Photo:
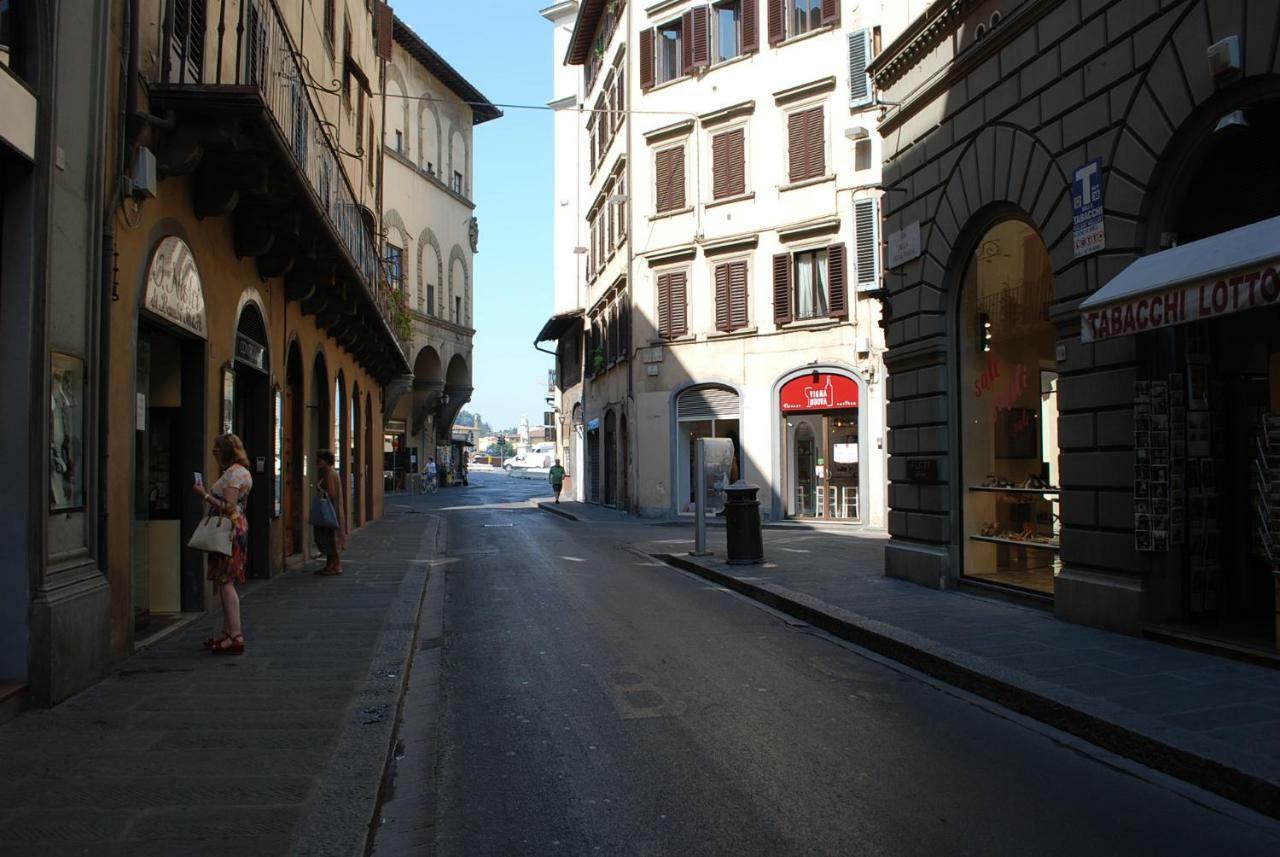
(279, 751)
(1205, 719)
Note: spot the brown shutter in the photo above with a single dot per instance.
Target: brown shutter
(797, 153)
(664, 306)
(686, 42)
(383, 27)
(677, 304)
(675, 177)
(750, 27)
(646, 59)
(782, 288)
(830, 12)
(777, 21)
(720, 166)
(722, 298)
(701, 36)
(738, 313)
(662, 179)
(837, 282)
(815, 144)
(735, 153)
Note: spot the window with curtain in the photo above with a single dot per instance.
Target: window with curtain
(810, 275)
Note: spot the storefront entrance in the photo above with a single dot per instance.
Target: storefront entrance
(252, 422)
(707, 411)
(821, 453)
(1009, 412)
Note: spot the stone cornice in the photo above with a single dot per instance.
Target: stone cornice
(924, 34)
(804, 90)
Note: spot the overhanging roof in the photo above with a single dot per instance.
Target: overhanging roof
(558, 324)
(482, 109)
(1224, 273)
(584, 28)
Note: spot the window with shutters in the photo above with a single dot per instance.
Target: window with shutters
(726, 31)
(866, 230)
(860, 55)
(809, 275)
(621, 201)
(728, 163)
(806, 144)
(186, 38)
(732, 312)
(669, 51)
(805, 15)
(330, 10)
(669, 175)
(673, 304)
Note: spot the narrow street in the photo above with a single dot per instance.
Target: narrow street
(594, 701)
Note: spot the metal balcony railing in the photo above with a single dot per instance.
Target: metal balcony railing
(258, 51)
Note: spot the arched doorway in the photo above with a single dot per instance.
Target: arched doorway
(251, 420)
(706, 410)
(357, 458)
(371, 463)
(624, 464)
(294, 450)
(171, 438)
(1009, 410)
(428, 393)
(610, 459)
(341, 434)
(321, 427)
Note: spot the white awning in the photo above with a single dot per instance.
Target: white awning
(1225, 273)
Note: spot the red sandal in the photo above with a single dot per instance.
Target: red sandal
(232, 645)
(216, 639)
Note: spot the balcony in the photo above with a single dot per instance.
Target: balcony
(259, 152)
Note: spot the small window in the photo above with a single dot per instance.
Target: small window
(810, 276)
(431, 299)
(862, 155)
(457, 310)
(400, 141)
(395, 267)
(670, 54)
(457, 182)
(805, 15)
(726, 36)
(329, 15)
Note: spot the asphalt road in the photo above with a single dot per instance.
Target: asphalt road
(593, 701)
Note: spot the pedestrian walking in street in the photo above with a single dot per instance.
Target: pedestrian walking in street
(228, 497)
(331, 540)
(556, 477)
(433, 474)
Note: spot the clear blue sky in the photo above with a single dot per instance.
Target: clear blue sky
(504, 49)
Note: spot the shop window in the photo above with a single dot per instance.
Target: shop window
(1009, 411)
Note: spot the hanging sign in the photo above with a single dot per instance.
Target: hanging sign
(819, 391)
(251, 353)
(174, 291)
(1190, 302)
(1088, 233)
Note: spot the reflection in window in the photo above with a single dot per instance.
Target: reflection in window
(727, 37)
(668, 54)
(811, 284)
(1009, 411)
(805, 15)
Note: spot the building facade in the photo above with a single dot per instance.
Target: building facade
(432, 235)
(55, 268)
(1081, 339)
(728, 179)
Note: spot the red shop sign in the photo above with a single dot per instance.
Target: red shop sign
(819, 392)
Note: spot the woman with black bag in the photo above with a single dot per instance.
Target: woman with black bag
(328, 514)
(227, 499)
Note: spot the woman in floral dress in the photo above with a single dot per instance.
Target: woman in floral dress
(228, 497)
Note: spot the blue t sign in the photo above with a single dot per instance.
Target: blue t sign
(1087, 209)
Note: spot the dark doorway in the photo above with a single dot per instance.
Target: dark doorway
(624, 463)
(357, 459)
(610, 459)
(251, 420)
(368, 457)
(294, 450)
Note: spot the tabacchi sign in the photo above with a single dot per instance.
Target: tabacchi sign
(1192, 302)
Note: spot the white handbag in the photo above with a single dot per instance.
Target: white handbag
(213, 535)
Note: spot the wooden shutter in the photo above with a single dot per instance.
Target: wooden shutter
(866, 248)
(750, 26)
(646, 58)
(859, 58)
(722, 298)
(662, 181)
(720, 166)
(815, 144)
(675, 178)
(686, 42)
(797, 155)
(837, 282)
(677, 321)
(664, 306)
(777, 21)
(738, 313)
(382, 27)
(782, 288)
(736, 154)
(830, 12)
(700, 34)
(186, 42)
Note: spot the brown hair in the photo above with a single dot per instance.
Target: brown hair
(229, 450)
